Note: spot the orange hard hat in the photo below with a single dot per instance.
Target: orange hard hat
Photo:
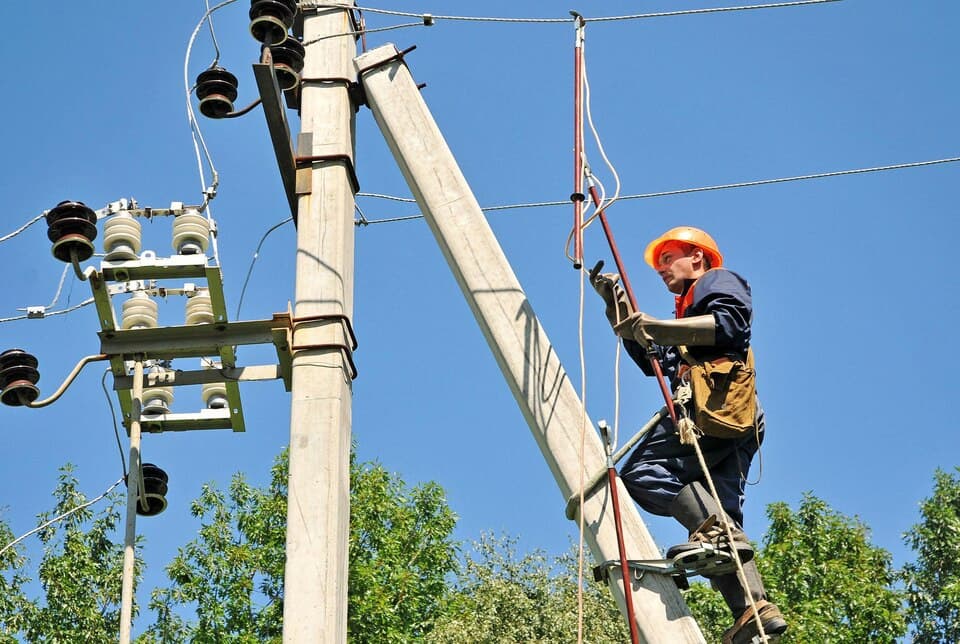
(686, 235)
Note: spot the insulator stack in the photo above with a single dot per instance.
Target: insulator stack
(157, 400)
(191, 233)
(216, 91)
(155, 483)
(139, 312)
(121, 237)
(288, 62)
(214, 394)
(270, 20)
(199, 309)
(72, 227)
(18, 377)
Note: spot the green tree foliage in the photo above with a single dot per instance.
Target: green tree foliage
(231, 575)
(933, 580)
(15, 608)
(819, 567)
(501, 597)
(401, 553)
(80, 574)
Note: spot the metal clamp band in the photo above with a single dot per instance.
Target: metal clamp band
(386, 61)
(303, 162)
(347, 350)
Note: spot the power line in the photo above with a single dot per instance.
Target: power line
(638, 16)
(667, 193)
(361, 32)
(22, 228)
(113, 417)
(59, 518)
(256, 254)
(47, 314)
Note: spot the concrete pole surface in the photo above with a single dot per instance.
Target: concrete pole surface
(318, 506)
(133, 486)
(538, 381)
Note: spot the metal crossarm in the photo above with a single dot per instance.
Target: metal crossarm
(217, 341)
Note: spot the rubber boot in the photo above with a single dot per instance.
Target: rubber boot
(745, 629)
(699, 513)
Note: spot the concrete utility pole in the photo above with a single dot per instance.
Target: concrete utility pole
(318, 509)
(534, 373)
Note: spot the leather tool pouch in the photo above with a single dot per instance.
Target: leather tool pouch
(724, 396)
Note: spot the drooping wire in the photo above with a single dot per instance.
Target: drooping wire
(604, 204)
(363, 32)
(56, 296)
(256, 254)
(208, 192)
(637, 16)
(113, 417)
(682, 191)
(61, 517)
(22, 228)
(213, 37)
(581, 526)
(48, 314)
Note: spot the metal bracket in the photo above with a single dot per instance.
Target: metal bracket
(346, 349)
(217, 339)
(399, 55)
(590, 486)
(276, 115)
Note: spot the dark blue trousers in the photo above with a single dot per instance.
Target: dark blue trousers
(661, 466)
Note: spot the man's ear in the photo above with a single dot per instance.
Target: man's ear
(696, 253)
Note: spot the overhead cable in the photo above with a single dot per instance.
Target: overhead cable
(213, 36)
(60, 517)
(683, 191)
(48, 314)
(363, 32)
(22, 228)
(113, 417)
(256, 254)
(637, 16)
(209, 192)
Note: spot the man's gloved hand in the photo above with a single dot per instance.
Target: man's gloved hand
(699, 330)
(605, 284)
(633, 328)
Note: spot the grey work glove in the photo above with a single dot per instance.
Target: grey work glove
(699, 330)
(605, 284)
(633, 328)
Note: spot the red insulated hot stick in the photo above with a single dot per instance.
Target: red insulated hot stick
(654, 362)
(577, 197)
(624, 565)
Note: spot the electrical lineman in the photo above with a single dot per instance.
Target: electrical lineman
(710, 335)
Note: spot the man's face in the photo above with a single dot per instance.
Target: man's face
(677, 263)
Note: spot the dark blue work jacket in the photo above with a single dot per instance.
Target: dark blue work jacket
(721, 293)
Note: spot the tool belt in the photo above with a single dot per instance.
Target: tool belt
(723, 393)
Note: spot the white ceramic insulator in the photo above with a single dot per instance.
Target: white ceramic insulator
(121, 237)
(200, 309)
(191, 233)
(157, 400)
(139, 312)
(214, 394)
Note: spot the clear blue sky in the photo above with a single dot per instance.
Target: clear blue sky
(854, 303)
